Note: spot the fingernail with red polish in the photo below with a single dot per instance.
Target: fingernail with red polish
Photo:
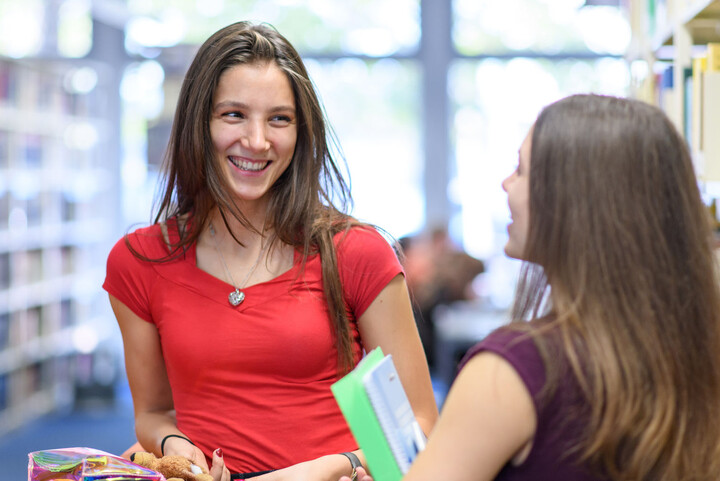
(218, 452)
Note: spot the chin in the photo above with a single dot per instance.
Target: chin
(513, 252)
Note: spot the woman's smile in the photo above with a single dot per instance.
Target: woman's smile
(248, 165)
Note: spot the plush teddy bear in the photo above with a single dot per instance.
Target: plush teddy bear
(174, 468)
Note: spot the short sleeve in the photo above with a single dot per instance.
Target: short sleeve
(130, 279)
(517, 348)
(367, 263)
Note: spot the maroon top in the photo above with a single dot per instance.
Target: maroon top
(549, 458)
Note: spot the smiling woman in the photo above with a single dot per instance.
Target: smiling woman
(253, 129)
(249, 189)
(609, 368)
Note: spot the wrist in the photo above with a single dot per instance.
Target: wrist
(354, 464)
(172, 436)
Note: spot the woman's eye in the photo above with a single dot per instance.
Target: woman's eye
(281, 119)
(235, 115)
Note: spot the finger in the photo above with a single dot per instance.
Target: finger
(218, 465)
(362, 475)
(198, 459)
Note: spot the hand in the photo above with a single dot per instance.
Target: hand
(361, 476)
(180, 446)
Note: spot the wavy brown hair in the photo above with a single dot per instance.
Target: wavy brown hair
(621, 254)
(308, 201)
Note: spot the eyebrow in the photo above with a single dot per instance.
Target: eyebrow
(240, 105)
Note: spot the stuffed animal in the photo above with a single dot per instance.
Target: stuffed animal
(174, 468)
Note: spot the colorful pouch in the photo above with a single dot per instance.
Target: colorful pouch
(85, 464)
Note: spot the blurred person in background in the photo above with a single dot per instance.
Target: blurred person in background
(438, 273)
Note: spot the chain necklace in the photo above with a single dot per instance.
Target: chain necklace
(237, 296)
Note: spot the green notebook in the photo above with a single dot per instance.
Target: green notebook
(378, 412)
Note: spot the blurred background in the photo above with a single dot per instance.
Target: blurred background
(430, 100)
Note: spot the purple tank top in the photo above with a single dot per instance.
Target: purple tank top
(550, 457)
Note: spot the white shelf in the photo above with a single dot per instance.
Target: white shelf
(48, 124)
(56, 234)
(701, 18)
(37, 350)
(53, 185)
(82, 284)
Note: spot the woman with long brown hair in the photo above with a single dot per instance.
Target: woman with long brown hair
(253, 291)
(609, 368)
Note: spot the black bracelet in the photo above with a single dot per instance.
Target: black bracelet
(162, 443)
(354, 462)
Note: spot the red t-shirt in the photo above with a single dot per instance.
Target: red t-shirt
(253, 379)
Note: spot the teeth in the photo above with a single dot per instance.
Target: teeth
(245, 165)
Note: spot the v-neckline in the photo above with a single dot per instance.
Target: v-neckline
(219, 288)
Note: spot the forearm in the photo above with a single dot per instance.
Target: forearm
(339, 465)
(152, 427)
(325, 468)
(330, 467)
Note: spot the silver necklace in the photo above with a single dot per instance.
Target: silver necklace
(237, 296)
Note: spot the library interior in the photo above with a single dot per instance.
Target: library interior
(428, 100)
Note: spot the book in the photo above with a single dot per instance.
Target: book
(378, 412)
(395, 415)
(711, 127)
(699, 65)
(713, 57)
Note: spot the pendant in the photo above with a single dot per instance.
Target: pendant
(236, 297)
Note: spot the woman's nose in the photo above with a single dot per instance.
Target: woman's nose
(254, 138)
(504, 182)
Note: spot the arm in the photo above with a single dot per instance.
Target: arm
(488, 420)
(390, 324)
(150, 388)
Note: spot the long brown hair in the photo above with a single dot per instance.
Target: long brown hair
(621, 257)
(308, 201)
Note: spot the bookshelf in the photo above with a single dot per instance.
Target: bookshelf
(675, 38)
(54, 230)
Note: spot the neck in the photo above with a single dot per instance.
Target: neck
(244, 234)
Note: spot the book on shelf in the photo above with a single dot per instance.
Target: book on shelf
(374, 403)
(704, 114)
(4, 331)
(666, 92)
(713, 57)
(688, 83)
(699, 65)
(4, 271)
(4, 401)
(711, 125)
